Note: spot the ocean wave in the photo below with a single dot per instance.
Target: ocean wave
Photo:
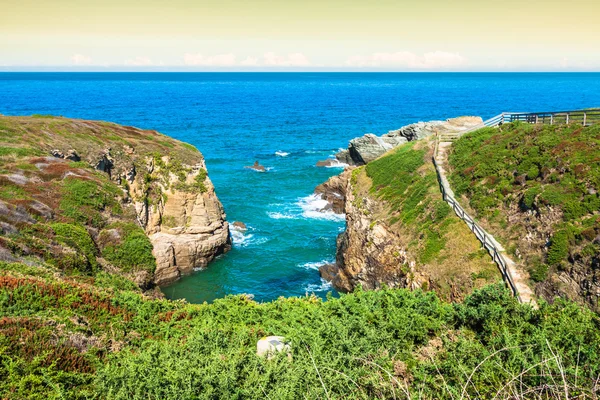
(278, 215)
(315, 287)
(337, 164)
(315, 265)
(311, 208)
(280, 153)
(241, 237)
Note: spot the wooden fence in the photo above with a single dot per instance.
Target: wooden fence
(486, 240)
(583, 117)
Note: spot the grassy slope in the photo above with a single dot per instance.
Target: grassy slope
(541, 178)
(71, 329)
(66, 215)
(441, 245)
(71, 339)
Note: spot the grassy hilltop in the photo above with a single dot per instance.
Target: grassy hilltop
(74, 322)
(536, 187)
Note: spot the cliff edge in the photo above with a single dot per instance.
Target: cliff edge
(88, 196)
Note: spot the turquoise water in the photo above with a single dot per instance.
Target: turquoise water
(235, 119)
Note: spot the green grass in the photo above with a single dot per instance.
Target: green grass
(411, 191)
(364, 345)
(19, 152)
(133, 253)
(549, 171)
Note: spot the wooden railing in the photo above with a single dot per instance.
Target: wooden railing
(583, 117)
(486, 240)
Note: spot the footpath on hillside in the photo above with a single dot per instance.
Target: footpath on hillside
(516, 277)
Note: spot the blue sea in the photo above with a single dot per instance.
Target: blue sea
(287, 122)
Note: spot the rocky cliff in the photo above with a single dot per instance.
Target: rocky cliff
(65, 179)
(400, 233)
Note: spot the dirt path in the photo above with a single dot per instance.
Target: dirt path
(516, 275)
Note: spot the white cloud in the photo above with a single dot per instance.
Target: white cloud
(406, 59)
(291, 60)
(250, 62)
(139, 62)
(219, 60)
(80, 59)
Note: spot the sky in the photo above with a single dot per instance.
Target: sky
(300, 35)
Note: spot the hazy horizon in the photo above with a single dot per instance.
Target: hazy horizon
(336, 36)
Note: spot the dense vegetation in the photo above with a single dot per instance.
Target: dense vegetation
(543, 179)
(74, 339)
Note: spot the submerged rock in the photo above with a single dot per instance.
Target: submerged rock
(330, 162)
(256, 167)
(239, 225)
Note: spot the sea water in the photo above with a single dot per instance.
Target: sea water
(287, 122)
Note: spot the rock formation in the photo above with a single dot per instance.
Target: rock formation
(366, 148)
(183, 218)
(148, 179)
(368, 254)
(334, 191)
(256, 167)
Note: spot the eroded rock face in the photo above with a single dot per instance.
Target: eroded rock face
(334, 191)
(185, 223)
(366, 148)
(368, 254)
(174, 203)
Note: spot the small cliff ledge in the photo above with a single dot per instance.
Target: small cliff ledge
(367, 148)
(96, 196)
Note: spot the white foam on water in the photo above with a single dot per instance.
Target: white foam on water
(278, 215)
(315, 265)
(280, 153)
(311, 208)
(314, 287)
(337, 164)
(241, 237)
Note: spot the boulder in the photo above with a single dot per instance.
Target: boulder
(271, 345)
(239, 225)
(328, 271)
(334, 191)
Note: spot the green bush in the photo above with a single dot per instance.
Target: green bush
(559, 248)
(83, 200)
(133, 253)
(539, 272)
(78, 238)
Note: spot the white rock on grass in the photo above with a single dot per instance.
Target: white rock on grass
(270, 345)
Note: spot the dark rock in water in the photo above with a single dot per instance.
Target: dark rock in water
(240, 225)
(328, 271)
(330, 162)
(256, 167)
(334, 191)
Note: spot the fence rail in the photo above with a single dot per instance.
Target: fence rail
(584, 117)
(486, 240)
